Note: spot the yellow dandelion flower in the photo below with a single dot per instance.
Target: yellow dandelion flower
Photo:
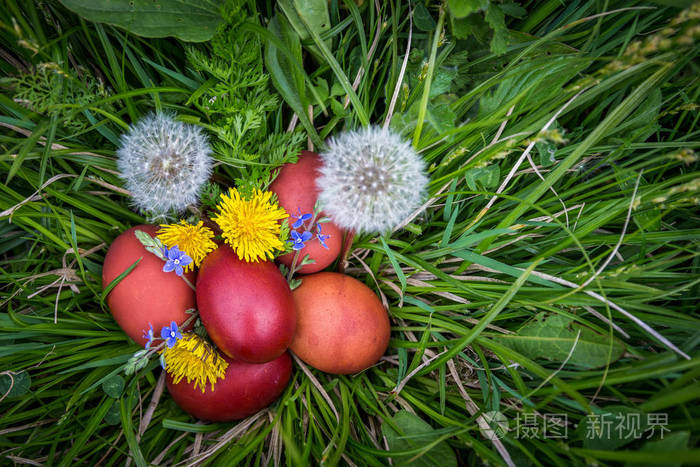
(195, 240)
(250, 225)
(194, 358)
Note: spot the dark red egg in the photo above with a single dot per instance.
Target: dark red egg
(246, 308)
(245, 389)
(147, 295)
(297, 193)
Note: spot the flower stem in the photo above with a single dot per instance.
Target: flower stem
(347, 243)
(187, 282)
(293, 267)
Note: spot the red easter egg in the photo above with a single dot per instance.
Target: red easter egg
(342, 326)
(147, 295)
(297, 193)
(246, 308)
(245, 389)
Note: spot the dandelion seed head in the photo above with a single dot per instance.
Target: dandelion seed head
(371, 180)
(164, 163)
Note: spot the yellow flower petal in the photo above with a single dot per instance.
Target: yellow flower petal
(250, 226)
(194, 240)
(193, 358)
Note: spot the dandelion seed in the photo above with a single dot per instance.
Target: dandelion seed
(250, 226)
(196, 240)
(193, 358)
(164, 163)
(371, 180)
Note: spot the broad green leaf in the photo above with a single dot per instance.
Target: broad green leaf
(15, 385)
(112, 416)
(114, 386)
(513, 9)
(612, 428)
(552, 338)
(415, 433)
(422, 18)
(671, 442)
(189, 20)
(285, 71)
(442, 81)
(483, 178)
(311, 13)
(438, 117)
(496, 19)
(462, 8)
(547, 152)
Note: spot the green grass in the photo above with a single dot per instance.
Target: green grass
(590, 217)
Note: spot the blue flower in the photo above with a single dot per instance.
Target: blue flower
(321, 238)
(176, 260)
(148, 335)
(301, 218)
(170, 334)
(298, 240)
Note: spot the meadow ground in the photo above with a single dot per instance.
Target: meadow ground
(543, 305)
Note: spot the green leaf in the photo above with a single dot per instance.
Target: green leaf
(462, 8)
(189, 20)
(152, 244)
(496, 19)
(394, 263)
(415, 433)
(513, 9)
(114, 386)
(282, 57)
(612, 428)
(19, 382)
(547, 152)
(672, 442)
(112, 416)
(313, 13)
(552, 338)
(118, 279)
(422, 18)
(442, 81)
(483, 178)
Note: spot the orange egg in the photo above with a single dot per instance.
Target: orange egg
(147, 295)
(342, 326)
(296, 191)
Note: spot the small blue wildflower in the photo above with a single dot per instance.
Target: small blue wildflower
(298, 240)
(321, 238)
(301, 218)
(148, 335)
(170, 334)
(176, 260)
